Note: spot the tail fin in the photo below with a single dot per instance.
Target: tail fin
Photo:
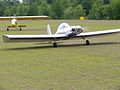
(49, 30)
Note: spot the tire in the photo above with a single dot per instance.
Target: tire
(20, 29)
(7, 29)
(87, 42)
(55, 44)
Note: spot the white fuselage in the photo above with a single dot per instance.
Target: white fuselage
(14, 22)
(68, 30)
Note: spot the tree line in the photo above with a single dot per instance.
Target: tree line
(63, 9)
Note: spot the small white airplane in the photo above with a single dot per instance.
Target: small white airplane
(64, 32)
(14, 19)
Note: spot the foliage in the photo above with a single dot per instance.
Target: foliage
(69, 12)
(106, 1)
(109, 11)
(2, 7)
(44, 8)
(7, 12)
(78, 12)
(59, 9)
(86, 5)
(33, 9)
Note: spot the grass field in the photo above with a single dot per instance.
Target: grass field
(71, 66)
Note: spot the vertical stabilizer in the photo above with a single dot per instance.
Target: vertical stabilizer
(49, 30)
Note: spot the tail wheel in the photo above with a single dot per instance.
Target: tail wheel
(55, 44)
(87, 42)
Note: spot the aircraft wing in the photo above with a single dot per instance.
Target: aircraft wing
(32, 38)
(47, 38)
(25, 18)
(98, 33)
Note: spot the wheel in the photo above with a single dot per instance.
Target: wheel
(55, 44)
(20, 29)
(87, 42)
(7, 29)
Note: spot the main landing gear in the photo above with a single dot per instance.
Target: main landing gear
(17, 28)
(7, 29)
(87, 42)
(55, 44)
(20, 29)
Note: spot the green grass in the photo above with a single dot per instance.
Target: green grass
(71, 66)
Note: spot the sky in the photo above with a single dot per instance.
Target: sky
(20, 0)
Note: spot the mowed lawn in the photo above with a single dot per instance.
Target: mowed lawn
(71, 66)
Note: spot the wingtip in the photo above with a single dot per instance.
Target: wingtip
(5, 38)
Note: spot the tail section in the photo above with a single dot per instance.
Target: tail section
(49, 30)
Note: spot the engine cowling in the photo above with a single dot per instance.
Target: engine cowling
(77, 30)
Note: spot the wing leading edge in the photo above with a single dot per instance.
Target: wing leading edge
(32, 38)
(98, 33)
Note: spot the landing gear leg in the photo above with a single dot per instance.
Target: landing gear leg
(55, 44)
(87, 41)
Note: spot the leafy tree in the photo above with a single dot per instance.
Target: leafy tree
(86, 6)
(13, 9)
(113, 11)
(78, 12)
(65, 3)
(57, 9)
(67, 9)
(99, 12)
(94, 12)
(106, 1)
(3, 5)
(49, 1)
(44, 8)
(117, 5)
(20, 10)
(33, 9)
(76, 2)
(7, 12)
(69, 13)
